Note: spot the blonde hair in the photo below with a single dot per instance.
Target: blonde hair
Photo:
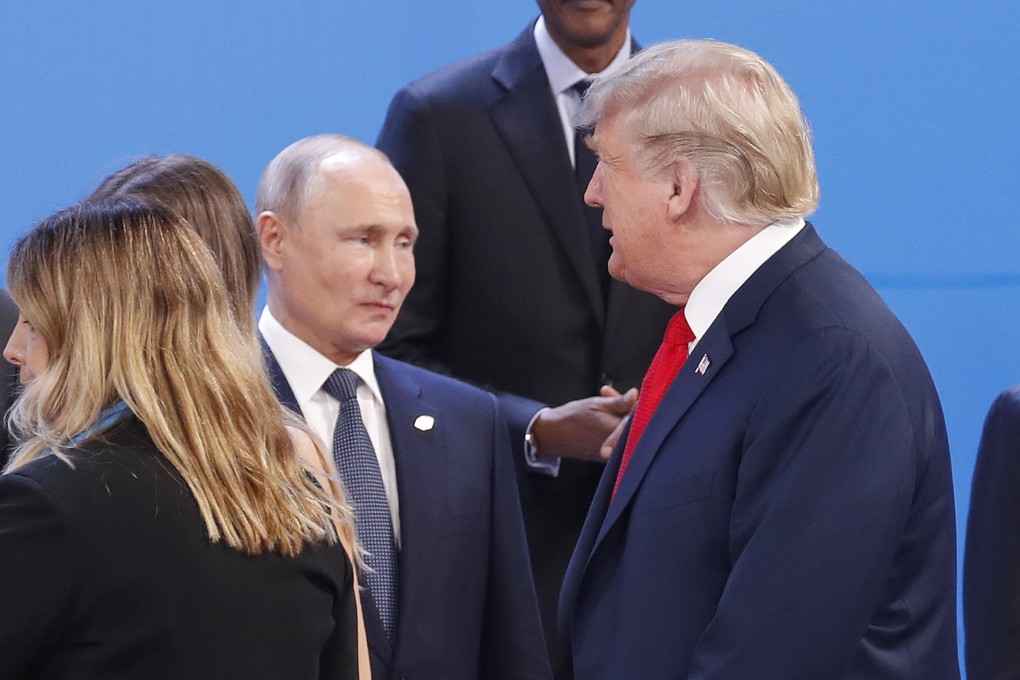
(723, 111)
(132, 307)
(210, 202)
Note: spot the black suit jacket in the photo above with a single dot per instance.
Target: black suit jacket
(991, 572)
(788, 510)
(108, 572)
(507, 295)
(467, 606)
(8, 373)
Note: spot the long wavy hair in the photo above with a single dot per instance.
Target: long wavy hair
(132, 307)
(210, 202)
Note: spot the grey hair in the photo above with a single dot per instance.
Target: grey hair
(293, 176)
(722, 111)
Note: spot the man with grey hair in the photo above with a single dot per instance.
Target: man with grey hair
(781, 505)
(425, 459)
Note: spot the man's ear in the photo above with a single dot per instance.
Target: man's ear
(271, 230)
(685, 184)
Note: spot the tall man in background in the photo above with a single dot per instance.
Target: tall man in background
(513, 293)
(424, 458)
(782, 503)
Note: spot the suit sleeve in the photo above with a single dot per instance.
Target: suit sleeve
(828, 472)
(410, 139)
(513, 646)
(991, 576)
(34, 552)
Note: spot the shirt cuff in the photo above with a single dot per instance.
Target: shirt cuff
(537, 463)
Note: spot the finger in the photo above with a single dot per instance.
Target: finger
(607, 446)
(622, 404)
(608, 391)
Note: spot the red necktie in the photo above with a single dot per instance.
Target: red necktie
(667, 362)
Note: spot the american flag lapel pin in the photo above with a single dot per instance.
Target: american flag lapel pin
(703, 365)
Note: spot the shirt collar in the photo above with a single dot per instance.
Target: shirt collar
(714, 291)
(304, 367)
(562, 72)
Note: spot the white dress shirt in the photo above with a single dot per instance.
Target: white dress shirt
(563, 74)
(307, 370)
(714, 291)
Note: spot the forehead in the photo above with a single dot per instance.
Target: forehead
(608, 137)
(364, 191)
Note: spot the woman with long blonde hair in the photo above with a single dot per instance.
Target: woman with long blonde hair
(155, 522)
(210, 202)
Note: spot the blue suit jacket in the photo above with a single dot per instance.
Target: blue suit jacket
(467, 604)
(991, 571)
(788, 512)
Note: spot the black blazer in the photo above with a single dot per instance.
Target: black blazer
(507, 295)
(108, 573)
(8, 373)
(991, 567)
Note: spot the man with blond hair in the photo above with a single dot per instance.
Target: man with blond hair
(781, 505)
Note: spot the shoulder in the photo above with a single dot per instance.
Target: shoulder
(445, 391)
(455, 78)
(1007, 404)
(1002, 425)
(471, 80)
(308, 451)
(86, 475)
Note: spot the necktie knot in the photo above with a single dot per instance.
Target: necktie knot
(581, 87)
(678, 331)
(342, 385)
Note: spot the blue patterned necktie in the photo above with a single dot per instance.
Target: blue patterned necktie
(359, 469)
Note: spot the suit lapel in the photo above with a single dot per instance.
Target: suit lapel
(682, 393)
(534, 136)
(284, 393)
(710, 355)
(422, 468)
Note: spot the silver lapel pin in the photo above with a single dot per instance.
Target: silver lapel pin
(703, 365)
(424, 423)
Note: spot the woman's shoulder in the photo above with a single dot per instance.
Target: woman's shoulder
(121, 456)
(309, 451)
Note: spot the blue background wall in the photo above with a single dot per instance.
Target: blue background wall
(913, 106)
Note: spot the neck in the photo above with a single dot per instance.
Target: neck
(593, 59)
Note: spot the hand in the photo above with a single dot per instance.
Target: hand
(585, 429)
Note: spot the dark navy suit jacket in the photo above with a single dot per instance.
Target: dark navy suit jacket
(991, 572)
(467, 604)
(788, 512)
(108, 573)
(507, 295)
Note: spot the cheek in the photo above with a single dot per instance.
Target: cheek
(407, 269)
(37, 355)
